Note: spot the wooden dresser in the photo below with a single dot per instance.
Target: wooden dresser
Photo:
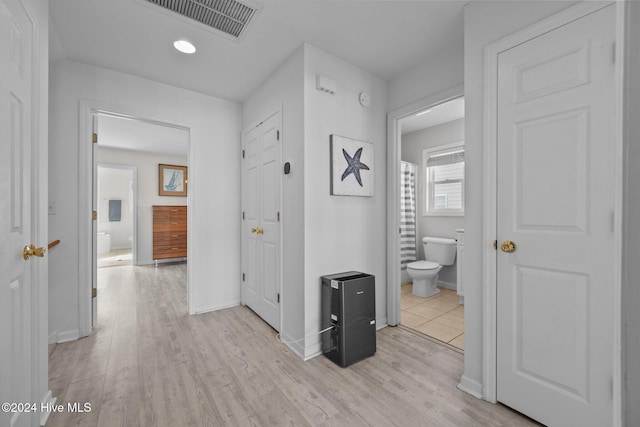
(169, 232)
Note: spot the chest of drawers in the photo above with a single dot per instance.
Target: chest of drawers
(169, 232)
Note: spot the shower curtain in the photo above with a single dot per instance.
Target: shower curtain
(407, 216)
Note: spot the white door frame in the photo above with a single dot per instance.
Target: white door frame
(489, 255)
(393, 192)
(86, 242)
(134, 205)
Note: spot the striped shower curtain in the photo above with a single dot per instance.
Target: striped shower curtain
(407, 214)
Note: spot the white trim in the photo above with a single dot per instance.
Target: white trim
(447, 285)
(87, 109)
(47, 402)
(489, 370)
(65, 336)
(134, 206)
(622, 11)
(470, 386)
(220, 306)
(393, 193)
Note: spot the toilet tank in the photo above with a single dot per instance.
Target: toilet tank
(440, 250)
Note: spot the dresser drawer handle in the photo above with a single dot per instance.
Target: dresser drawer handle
(174, 235)
(174, 249)
(174, 223)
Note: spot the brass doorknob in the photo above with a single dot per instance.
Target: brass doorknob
(257, 230)
(31, 250)
(508, 246)
(254, 230)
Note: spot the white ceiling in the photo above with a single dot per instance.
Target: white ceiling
(128, 134)
(386, 38)
(437, 115)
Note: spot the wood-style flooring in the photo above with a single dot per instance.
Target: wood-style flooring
(148, 363)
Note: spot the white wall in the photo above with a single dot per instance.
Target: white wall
(284, 89)
(439, 72)
(485, 22)
(214, 184)
(412, 146)
(147, 168)
(324, 234)
(341, 233)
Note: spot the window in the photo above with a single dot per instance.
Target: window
(444, 180)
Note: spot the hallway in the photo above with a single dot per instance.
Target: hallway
(150, 364)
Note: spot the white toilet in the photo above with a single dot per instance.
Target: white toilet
(438, 252)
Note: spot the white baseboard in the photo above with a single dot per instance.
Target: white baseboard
(215, 307)
(447, 285)
(160, 261)
(296, 347)
(316, 350)
(381, 323)
(47, 402)
(471, 387)
(66, 336)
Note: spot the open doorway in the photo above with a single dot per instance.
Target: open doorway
(426, 147)
(117, 214)
(129, 154)
(432, 221)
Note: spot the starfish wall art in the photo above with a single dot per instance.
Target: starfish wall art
(351, 167)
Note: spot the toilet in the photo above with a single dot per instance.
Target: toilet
(438, 251)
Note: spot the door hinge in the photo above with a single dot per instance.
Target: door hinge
(243, 154)
(94, 215)
(94, 292)
(243, 277)
(278, 217)
(94, 138)
(495, 245)
(278, 135)
(278, 298)
(242, 214)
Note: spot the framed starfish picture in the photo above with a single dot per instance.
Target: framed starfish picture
(351, 167)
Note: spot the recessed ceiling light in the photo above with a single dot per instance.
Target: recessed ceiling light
(184, 46)
(423, 112)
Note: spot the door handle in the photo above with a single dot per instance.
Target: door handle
(257, 230)
(31, 250)
(508, 246)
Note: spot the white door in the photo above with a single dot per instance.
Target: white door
(555, 202)
(261, 224)
(16, 39)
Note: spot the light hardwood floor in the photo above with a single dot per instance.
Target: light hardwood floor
(148, 363)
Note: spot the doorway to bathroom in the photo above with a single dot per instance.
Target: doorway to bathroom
(431, 205)
(117, 204)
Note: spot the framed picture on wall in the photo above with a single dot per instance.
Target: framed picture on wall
(172, 180)
(351, 167)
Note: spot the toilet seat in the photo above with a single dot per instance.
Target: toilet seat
(423, 265)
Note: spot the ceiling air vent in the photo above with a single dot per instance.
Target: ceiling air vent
(227, 16)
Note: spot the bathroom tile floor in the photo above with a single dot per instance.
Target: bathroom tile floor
(440, 316)
(115, 257)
